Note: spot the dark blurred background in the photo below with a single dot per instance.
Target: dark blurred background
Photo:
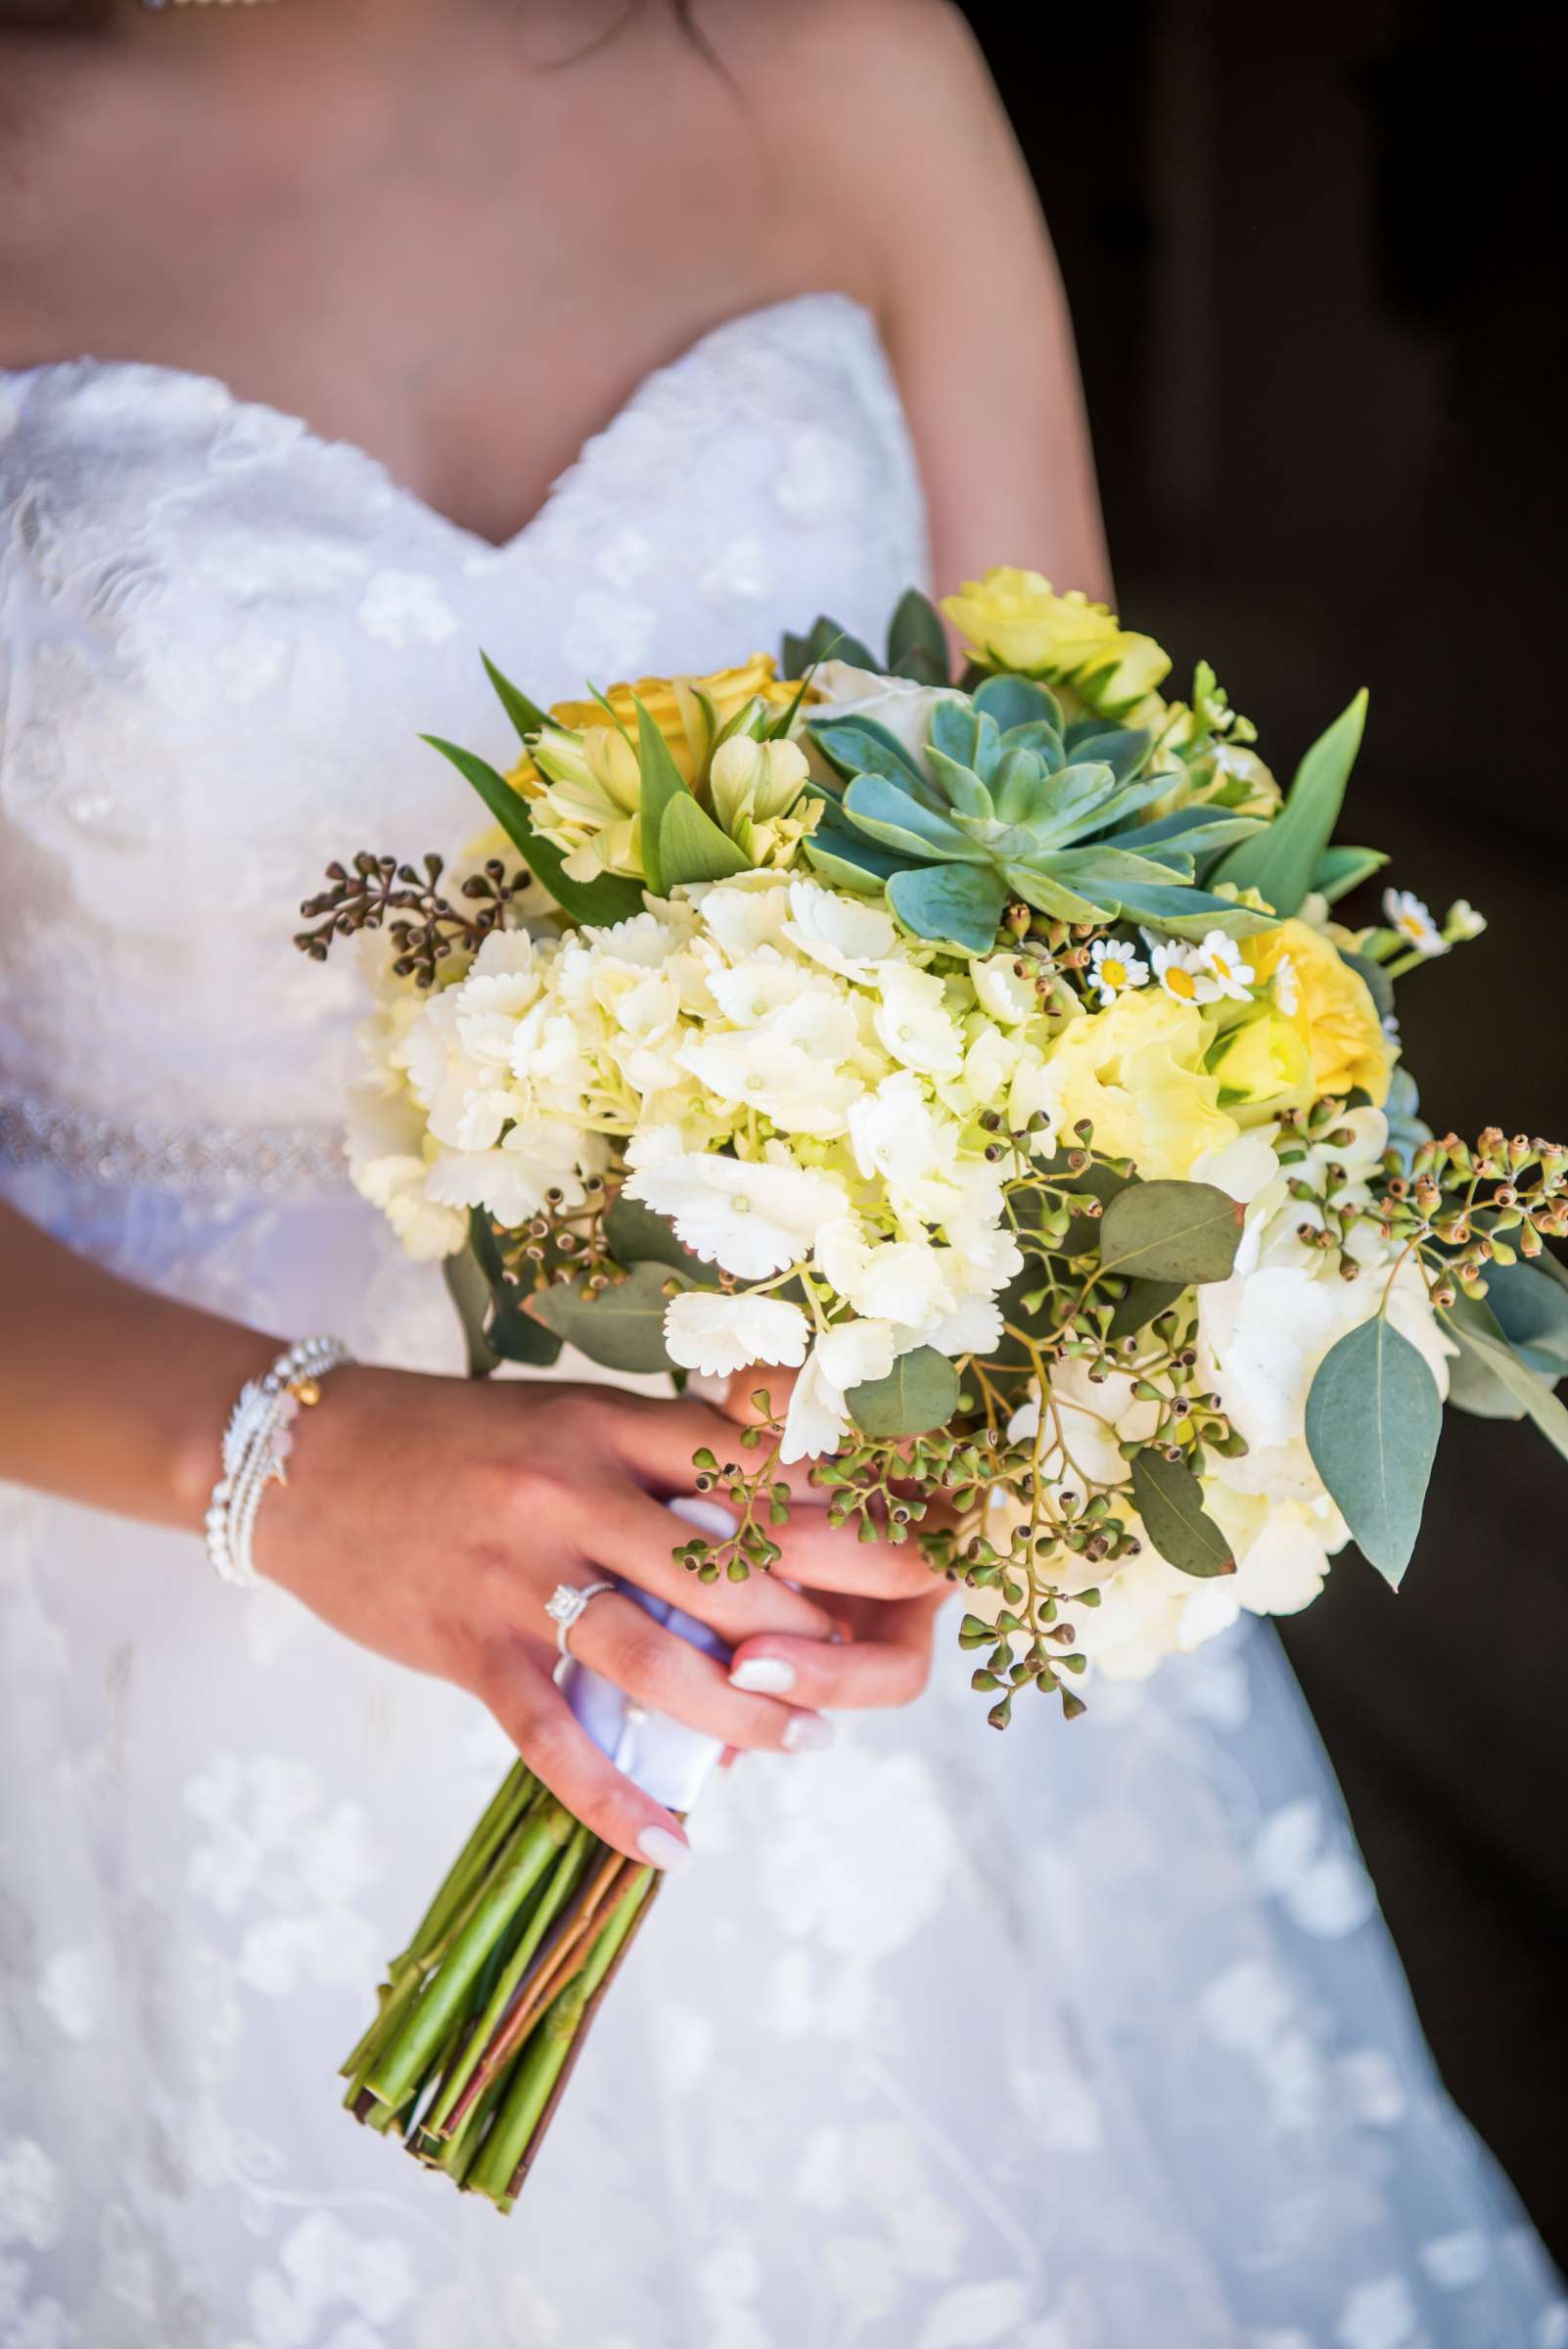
(1316, 267)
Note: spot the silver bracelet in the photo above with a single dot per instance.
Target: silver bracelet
(255, 1445)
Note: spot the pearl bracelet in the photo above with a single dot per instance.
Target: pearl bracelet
(255, 1445)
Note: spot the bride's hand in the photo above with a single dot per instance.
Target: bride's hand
(430, 1519)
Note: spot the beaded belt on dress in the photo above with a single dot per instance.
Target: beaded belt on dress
(195, 1156)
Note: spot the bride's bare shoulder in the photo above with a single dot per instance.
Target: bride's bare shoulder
(877, 63)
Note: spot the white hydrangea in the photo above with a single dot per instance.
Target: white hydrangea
(783, 1074)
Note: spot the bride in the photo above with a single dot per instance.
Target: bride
(613, 340)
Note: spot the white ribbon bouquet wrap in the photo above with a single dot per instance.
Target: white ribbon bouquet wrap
(669, 1761)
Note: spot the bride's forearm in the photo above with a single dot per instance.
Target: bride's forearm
(109, 1394)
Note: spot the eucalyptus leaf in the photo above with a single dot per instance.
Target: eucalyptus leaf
(1144, 1302)
(1475, 1387)
(1530, 1391)
(1171, 1231)
(607, 900)
(1373, 1418)
(638, 1235)
(470, 1293)
(692, 846)
(623, 1327)
(513, 1334)
(920, 1392)
(1169, 1498)
(506, 1332)
(1282, 860)
(1531, 1307)
(524, 714)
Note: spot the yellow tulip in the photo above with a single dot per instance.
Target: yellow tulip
(583, 780)
(1014, 620)
(675, 706)
(1334, 1013)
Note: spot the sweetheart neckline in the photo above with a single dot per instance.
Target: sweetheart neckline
(478, 546)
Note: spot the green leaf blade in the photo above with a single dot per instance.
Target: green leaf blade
(623, 1327)
(920, 1393)
(1282, 860)
(639, 1235)
(610, 899)
(1373, 1418)
(1183, 1233)
(693, 847)
(1169, 1498)
(526, 714)
(662, 783)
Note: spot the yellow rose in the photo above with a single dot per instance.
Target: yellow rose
(1263, 1066)
(1014, 620)
(1333, 1010)
(1135, 1070)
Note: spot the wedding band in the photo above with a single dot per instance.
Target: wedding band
(566, 1602)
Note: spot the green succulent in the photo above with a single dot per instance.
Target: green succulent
(1015, 804)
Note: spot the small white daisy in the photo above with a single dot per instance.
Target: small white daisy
(1115, 965)
(1182, 972)
(1220, 958)
(1287, 987)
(1462, 922)
(1404, 912)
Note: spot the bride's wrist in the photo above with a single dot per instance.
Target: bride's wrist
(258, 1441)
(228, 1360)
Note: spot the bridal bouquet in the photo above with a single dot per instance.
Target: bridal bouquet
(990, 1057)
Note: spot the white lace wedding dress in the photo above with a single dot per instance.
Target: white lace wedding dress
(1083, 2038)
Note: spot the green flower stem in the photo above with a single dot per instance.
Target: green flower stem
(559, 1956)
(567, 1869)
(457, 2153)
(510, 1801)
(407, 1972)
(401, 2067)
(543, 2060)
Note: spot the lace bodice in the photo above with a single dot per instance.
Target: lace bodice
(221, 637)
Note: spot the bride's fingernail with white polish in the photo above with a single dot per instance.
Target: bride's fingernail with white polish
(664, 1850)
(807, 1734)
(764, 1676)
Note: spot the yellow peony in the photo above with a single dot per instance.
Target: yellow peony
(1333, 1010)
(1135, 1070)
(1014, 620)
(583, 778)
